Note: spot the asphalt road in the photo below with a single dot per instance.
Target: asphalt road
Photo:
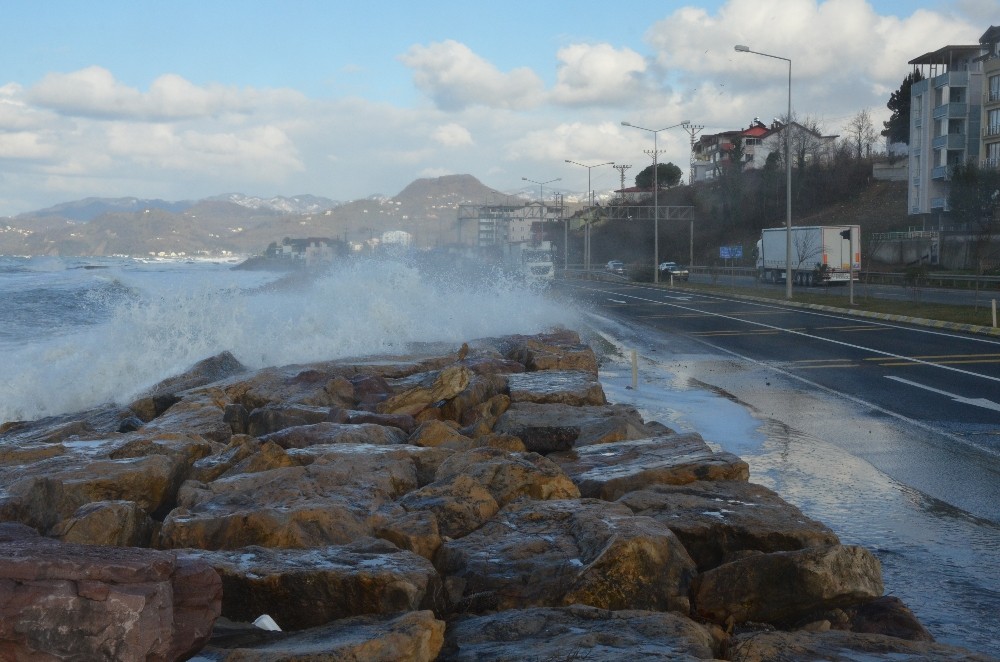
(920, 404)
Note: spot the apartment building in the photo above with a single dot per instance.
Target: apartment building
(989, 148)
(945, 119)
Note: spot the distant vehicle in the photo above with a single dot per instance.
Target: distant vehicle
(673, 269)
(821, 254)
(616, 267)
(530, 261)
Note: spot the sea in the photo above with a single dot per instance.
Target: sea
(76, 333)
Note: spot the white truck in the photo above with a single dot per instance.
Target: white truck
(530, 261)
(821, 254)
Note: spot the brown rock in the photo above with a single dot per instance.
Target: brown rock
(888, 615)
(718, 519)
(786, 587)
(427, 390)
(577, 632)
(568, 387)
(274, 417)
(415, 636)
(304, 588)
(109, 523)
(607, 471)
(440, 434)
(509, 476)
(86, 602)
(560, 350)
(562, 552)
(553, 427)
(459, 504)
(319, 434)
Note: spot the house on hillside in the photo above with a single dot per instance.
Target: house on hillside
(308, 252)
(752, 146)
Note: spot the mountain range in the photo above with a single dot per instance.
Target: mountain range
(234, 223)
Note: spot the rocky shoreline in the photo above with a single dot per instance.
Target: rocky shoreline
(475, 503)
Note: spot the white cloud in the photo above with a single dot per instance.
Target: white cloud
(452, 135)
(454, 78)
(598, 74)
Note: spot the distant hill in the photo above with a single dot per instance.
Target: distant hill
(237, 223)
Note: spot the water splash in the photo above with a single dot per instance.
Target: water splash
(162, 319)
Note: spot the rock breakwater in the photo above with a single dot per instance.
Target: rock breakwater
(475, 503)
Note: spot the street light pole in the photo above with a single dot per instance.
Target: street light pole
(656, 196)
(788, 170)
(590, 194)
(541, 197)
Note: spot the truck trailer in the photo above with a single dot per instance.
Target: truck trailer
(821, 254)
(530, 261)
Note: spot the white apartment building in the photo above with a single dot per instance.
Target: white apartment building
(989, 148)
(945, 119)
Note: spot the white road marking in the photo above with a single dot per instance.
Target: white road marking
(975, 402)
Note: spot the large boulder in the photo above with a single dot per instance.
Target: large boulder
(558, 350)
(86, 602)
(304, 588)
(577, 632)
(608, 471)
(567, 387)
(317, 434)
(329, 497)
(420, 392)
(545, 428)
(563, 552)
(787, 587)
(718, 520)
(110, 523)
(508, 476)
(414, 636)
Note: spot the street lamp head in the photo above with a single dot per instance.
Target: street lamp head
(741, 48)
(627, 124)
(525, 178)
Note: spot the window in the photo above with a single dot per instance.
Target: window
(993, 122)
(994, 88)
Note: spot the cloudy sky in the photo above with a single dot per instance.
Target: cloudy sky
(186, 99)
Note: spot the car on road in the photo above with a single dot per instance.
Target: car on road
(616, 267)
(673, 269)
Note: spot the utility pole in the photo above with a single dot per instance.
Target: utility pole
(621, 170)
(693, 130)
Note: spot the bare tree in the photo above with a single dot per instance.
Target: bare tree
(861, 134)
(806, 247)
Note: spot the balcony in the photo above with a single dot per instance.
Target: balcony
(939, 203)
(940, 172)
(953, 78)
(955, 110)
(950, 141)
(990, 164)
(991, 131)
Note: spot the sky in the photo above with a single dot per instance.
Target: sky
(187, 99)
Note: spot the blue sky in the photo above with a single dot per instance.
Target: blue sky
(183, 99)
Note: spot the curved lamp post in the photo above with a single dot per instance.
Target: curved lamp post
(656, 196)
(590, 194)
(740, 48)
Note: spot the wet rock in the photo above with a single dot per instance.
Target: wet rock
(271, 418)
(508, 476)
(888, 615)
(202, 373)
(782, 587)
(203, 414)
(576, 632)
(402, 421)
(567, 387)
(319, 434)
(607, 471)
(112, 523)
(415, 636)
(426, 390)
(717, 520)
(562, 552)
(329, 497)
(561, 350)
(555, 427)
(459, 504)
(441, 434)
(319, 385)
(68, 601)
(481, 389)
(304, 588)
(839, 646)
(98, 423)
